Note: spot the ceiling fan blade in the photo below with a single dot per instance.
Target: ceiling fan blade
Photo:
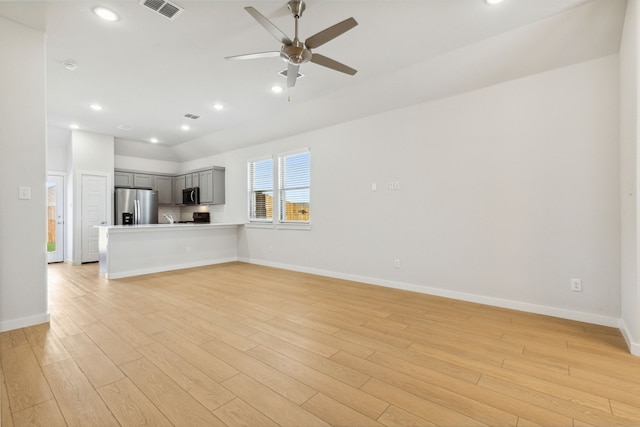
(274, 54)
(330, 63)
(330, 33)
(268, 25)
(292, 74)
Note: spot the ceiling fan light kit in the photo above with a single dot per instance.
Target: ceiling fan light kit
(295, 52)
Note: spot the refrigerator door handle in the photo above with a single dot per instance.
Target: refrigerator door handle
(136, 212)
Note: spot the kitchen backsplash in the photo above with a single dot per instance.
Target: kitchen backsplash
(185, 213)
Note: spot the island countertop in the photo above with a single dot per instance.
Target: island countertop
(167, 226)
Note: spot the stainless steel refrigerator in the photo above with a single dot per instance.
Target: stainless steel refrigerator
(135, 206)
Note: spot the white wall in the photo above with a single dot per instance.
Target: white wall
(93, 154)
(23, 273)
(629, 109)
(146, 165)
(506, 194)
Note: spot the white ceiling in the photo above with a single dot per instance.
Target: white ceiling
(148, 71)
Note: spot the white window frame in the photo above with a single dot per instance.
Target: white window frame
(276, 221)
(282, 189)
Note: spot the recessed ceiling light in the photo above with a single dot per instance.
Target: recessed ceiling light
(277, 89)
(218, 107)
(153, 140)
(106, 14)
(96, 107)
(70, 65)
(493, 1)
(74, 126)
(184, 127)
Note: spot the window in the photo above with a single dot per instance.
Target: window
(292, 198)
(261, 190)
(294, 185)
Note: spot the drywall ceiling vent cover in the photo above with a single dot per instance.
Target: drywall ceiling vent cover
(164, 8)
(285, 72)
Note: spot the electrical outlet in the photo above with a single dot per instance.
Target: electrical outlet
(576, 285)
(396, 263)
(188, 249)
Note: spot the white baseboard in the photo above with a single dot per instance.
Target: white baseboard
(634, 347)
(163, 268)
(24, 322)
(579, 316)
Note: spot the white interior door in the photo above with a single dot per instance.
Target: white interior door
(55, 218)
(94, 212)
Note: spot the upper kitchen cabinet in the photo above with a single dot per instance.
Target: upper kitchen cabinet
(210, 181)
(123, 179)
(192, 180)
(212, 186)
(164, 187)
(178, 186)
(144, 181)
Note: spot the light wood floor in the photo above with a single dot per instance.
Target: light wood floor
(244, 345)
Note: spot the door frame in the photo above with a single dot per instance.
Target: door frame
(64, 204)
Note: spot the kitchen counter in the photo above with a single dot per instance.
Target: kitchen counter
(131, 250)
(175, 226)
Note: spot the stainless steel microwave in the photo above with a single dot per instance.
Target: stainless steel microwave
(191, 196)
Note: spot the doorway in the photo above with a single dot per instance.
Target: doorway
(55, 218)
(94, 212)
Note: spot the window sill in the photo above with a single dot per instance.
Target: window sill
(279, 226)
(293, 226)
(259, 225)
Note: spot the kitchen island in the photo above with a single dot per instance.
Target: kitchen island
(132, 250)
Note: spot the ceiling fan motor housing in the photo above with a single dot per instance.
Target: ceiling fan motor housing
(295, 53)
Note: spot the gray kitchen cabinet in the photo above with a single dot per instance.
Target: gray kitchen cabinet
(178, 186)
(123, 179)
(206, 186)
(164, 187)
(144, 180)
(212, 186)
(192, 180)
(219, 185)
(169, 188)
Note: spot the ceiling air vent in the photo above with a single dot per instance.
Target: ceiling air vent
(164, 8)
(285, 72)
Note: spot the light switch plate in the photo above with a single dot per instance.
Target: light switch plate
(24, 193)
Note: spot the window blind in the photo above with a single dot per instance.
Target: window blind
(295, 187)
(261, 190)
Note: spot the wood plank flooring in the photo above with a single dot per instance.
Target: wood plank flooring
(244, 345)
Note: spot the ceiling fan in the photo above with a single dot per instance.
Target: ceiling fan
(295, 52)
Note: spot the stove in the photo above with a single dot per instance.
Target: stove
(201, 217)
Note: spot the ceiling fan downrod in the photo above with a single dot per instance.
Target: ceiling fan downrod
(296, 53)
